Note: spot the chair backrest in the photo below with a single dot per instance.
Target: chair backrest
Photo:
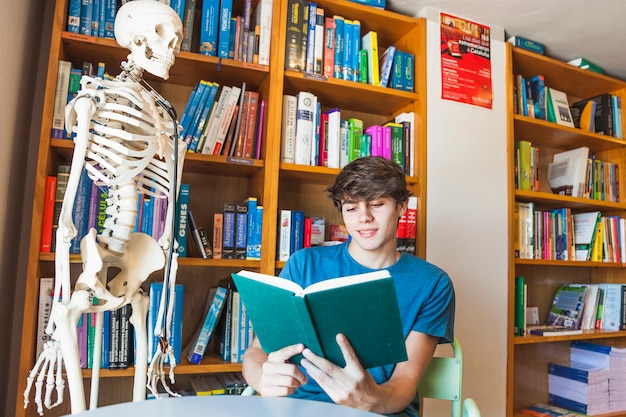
(443, 380)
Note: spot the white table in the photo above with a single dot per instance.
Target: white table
(226, 406)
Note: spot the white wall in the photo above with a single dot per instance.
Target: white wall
(467, 218)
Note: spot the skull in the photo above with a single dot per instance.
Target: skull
(152, 31)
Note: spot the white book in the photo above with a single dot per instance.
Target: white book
(318, 53)
(386, 63)
(409, 117)
(315, 149)
(611, 308)
(229, 111)
(284, 235)
(584, 230)
(263, 18)
(288, 131)
(333, 139)
(207, 140)
(557, 102)
(46, 288)
(304, 127)
(590, 308)
(580, 156)
(60, 99)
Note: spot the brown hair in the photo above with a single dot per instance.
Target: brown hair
(367, 179)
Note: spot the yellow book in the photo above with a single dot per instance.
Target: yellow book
(598, 243)
(369, 42)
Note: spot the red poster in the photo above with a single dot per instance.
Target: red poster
(465, 61)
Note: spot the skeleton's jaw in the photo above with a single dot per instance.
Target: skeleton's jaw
(155, 63)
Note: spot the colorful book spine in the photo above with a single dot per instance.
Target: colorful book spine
(293, 41)
(251, 239)
(356, 49)
(284, 235)
(73, 16)
(386, 64)
(218, 226)
(297, 231)
(81, 210)
(310, 45)
(263, 18)
(348, 44)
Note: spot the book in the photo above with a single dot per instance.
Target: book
(576, 166)
(585, 225)
(363, 307)
(586, 64)
(525, 43)
(215, 302)
(339, 46)
(202, 242)
(558, 109)
(48, 214)
(293, 39)
(210, 26)
(60, 99)
(603, 115)
(329, 47)
(175, 335)
(284, 235)
(567, 306)
(262, 17)
(218, 224)
(181, 216)
(318, 52)
(548, 410)
(207, 385)
(386, 64)
(304, 127)
(288, 131)
(228, 231)
(538, 92)
(519, 321)
(222, 333)
(46, 288)
(188, 23)
(380, 4)
(369, 42)
(241, 230)
(551, 330)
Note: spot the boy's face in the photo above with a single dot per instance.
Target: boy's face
(372, 225)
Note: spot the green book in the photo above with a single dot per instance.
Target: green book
(363, 307)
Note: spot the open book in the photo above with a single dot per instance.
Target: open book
(363, 307)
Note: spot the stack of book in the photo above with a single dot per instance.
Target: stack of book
(617, 379)
(579, 387)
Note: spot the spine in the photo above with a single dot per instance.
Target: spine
(228, 237)
(48, 214)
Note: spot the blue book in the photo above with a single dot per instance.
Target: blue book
(297, 231)
(252, 219)
(204, 90)
(73, 16)
(95, 18)
(181, 215)
(386, 64)
(106, 339)
(215, 304)
(409, 71)
(397, 79)
(179, 7)
(205, 112)
(257, 233)
(110, 10)
(81, 210)
(374, 3)
(538, 91)
(190, 108)
(174, 339)
(578, 371)
(310, 45)
(339, 46)
(355, 50)
(223, 37)
(348, 44)
(86, 15)
(209, 27)
(567, 403)
(101, 19)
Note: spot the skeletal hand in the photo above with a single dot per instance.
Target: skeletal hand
(156, 370)
(49, 360)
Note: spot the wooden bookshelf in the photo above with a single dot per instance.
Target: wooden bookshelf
(528, 356)
(218, 179)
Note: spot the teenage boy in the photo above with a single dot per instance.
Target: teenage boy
(371, 195)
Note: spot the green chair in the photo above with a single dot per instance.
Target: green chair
(443, 380)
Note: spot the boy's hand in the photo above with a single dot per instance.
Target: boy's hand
(279, 376)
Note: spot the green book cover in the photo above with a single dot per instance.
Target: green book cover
(363, 307)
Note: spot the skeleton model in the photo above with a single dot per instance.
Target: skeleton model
(126, 137)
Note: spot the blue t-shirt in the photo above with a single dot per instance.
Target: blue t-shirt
(425, 296)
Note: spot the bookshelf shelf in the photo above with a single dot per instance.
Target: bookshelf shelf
(215, 180)
(529, 355)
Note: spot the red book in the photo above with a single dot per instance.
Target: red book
(253, 109)
(48, 214)
(308, 228)
(323, 149)
(259, 130)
